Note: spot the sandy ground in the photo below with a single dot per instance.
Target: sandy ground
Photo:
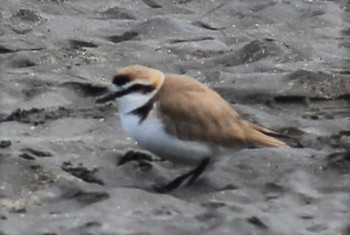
(283, 64)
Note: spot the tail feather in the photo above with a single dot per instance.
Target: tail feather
(262, 137)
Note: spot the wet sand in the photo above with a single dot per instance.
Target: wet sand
(282, 64)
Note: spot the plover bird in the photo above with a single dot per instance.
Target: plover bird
(181, 120)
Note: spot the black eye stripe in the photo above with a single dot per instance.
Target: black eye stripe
(136, 88)
(121, 80)
(144, 89)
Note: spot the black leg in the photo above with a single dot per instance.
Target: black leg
(134, 156)
(199, 170)
(193, 175)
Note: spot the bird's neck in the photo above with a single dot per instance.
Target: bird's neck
(129, 103)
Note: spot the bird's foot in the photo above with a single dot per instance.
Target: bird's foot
(187, 178)
(134, 156)
(172, 185)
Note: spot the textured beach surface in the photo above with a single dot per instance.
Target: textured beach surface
(283, 64)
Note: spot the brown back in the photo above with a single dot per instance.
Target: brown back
(206, 116)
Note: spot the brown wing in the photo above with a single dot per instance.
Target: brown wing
(193, 111)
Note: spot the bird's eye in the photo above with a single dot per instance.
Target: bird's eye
(120, 80)
(140, 88)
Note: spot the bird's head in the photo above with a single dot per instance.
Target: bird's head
(134, 85)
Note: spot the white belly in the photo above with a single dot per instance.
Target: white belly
(151, 135)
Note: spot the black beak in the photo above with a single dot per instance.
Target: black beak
(144, 89)
(111, 96)
(107, 97)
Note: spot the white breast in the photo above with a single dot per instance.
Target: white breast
(151, 135)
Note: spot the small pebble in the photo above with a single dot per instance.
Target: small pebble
(5, 143)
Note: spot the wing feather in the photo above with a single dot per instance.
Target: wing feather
(193, 111)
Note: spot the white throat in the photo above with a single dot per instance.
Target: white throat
(132, 101)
